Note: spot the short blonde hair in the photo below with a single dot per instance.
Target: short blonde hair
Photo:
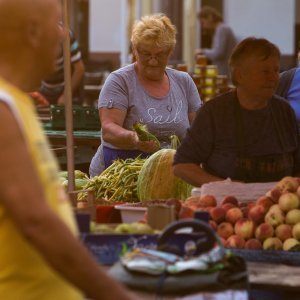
(155, 30)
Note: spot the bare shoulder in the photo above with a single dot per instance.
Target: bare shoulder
(9, 126)
(18, 180)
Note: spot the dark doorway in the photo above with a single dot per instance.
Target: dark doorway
(207, 35)
(79, 21)
(173, 9)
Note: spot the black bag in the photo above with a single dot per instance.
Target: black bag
(227, 272)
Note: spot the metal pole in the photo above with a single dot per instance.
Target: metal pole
(68, 104)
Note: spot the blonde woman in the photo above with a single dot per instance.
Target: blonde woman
(146, 91)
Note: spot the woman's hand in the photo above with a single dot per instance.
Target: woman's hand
(39, 99)
(144, 146)
(198, 51)
(61, 100)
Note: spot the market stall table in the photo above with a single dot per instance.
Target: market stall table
(267, 282)
(86, 143)
(89, 138)
(276, 277)
(273, 275)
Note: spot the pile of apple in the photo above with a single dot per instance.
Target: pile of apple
(271, 222)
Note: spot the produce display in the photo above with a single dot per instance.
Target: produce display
(116, 183)
(165, 202)
(271, 222)
(81, 179)
(126, 228)
(134, 180)
(77, 173)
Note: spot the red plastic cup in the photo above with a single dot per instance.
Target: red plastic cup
(108, 214)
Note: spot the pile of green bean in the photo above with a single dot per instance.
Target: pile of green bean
(116, 183)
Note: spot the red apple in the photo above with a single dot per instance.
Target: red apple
(185, 212)
(235, 241)
(288, 184)
(250, 205)
(283, 232)
(275, 216)
(233, 215)
(245, 228)
(227, 206)
(192, 200)
(296, 231)
(257, 213)
(298, 191)
(254, 244)
(275, 208)
(230, 199)
(274, 194)
(264, 231)
(288, 201)
(265, 201)
(272, 243)
(218, 214)
(243, 204)
(207, 200)
(207, 209)
(225, 230)
(292, 217)
(245, 211)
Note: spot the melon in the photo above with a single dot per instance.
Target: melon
(156, 179)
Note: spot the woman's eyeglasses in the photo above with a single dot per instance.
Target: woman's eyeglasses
(158, 56)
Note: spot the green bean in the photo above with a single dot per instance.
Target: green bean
(116, 183)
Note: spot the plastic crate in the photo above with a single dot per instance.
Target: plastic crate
(90, 118)
(107, 248)
(58, 118)
(84, 117)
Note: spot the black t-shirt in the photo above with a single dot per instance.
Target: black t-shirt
(212, 139)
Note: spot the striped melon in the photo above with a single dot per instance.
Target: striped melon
(157, 181)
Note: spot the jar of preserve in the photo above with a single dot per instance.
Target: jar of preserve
(201, 60)
(211, 70)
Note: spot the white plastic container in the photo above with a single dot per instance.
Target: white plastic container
(196, 192)
(130, 214)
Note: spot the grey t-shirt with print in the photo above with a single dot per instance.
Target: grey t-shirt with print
(163, 116)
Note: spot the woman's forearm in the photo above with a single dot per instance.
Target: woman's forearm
(194, 174)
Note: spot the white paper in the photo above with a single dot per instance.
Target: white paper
(244, 192)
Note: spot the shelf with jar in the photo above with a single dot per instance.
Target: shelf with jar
(208, 80)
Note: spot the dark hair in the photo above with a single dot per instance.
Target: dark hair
(207, 11)
(251, 46)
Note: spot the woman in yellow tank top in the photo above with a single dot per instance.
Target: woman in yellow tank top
(40, 255)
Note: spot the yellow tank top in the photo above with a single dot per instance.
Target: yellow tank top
(24, 275)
